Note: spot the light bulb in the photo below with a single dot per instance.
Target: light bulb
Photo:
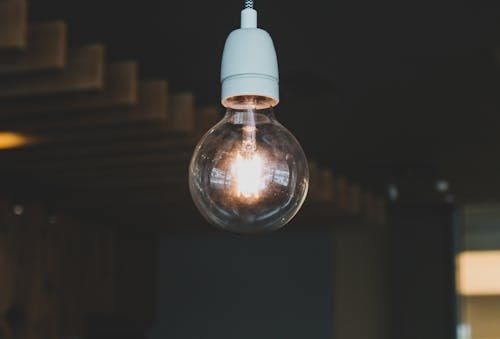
(248, 173)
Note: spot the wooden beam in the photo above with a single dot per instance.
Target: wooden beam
(182, 116)
(354, 199)
(166, 183)
(138, 195)
(144, 122)
(85, 73)
(326, 183)
(379, 215)
(133, 195)
(334, 199)
(347, 197)
(314, 185)
(321, 183)
(206, 118)
(153, 102)
(13, 24)
(120, 90)
(46, 50)
(130, 156)
(134, 178)
(85, 166)
(142, 131)
(150, 178)
(96, 143)
(367, 205)
(341, 194)
(373, 208)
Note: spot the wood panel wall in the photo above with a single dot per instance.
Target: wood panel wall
(58, 272)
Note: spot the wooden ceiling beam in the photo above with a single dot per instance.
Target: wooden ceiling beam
(170, 203)
(142, 132)
(149, 107)
(161, 167)
(120, 90)
(84, 73)
(182, 112)
(147, 121)
(13, 24)
(45, 50)
(148, 179)
(103, 147)
(117, 163)
(331, 196)
(205, 118)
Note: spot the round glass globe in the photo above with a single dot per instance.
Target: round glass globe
(248, 174)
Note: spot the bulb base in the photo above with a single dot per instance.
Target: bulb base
(249, 63)
(251, 85)
(245, 102)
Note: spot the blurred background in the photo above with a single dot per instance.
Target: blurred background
(396, 105)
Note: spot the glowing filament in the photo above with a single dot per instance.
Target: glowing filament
(248, 174)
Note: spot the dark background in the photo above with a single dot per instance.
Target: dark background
(226, 286)
(382, 91)
(400, 93)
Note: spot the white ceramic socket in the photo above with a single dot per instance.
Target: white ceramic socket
(249, 62)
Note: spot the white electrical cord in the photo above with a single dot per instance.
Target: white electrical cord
(248, 15)
(248, 3)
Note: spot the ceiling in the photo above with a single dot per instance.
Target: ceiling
(383, 92)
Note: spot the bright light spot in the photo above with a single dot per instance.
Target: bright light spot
(393, 192)
(442, 186)
(218, 177)
(248, 174)
(18, 209)
(478, 273)
(12, 140)
(281, 177)
(463, 331)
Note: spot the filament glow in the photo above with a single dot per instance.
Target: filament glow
(248, 174)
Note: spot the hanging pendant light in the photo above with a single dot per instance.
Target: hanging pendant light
(248, 173)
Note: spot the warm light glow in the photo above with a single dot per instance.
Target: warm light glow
(248, 174)
(478, 273)
(12, 140)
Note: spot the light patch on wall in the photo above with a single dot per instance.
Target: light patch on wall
(12, 140)
(478, 273)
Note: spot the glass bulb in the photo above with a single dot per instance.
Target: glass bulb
(248, 174)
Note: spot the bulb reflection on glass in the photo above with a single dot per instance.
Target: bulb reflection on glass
(248, 174)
